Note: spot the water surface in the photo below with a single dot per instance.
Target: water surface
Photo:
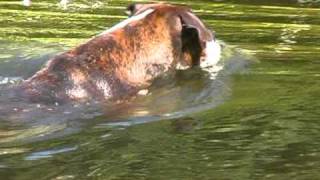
(258, 122)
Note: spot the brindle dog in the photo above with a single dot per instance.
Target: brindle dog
(156, 39)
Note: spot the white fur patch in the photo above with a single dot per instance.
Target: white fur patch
(77, 92)
(104, 87)
(128, 21)
(213, 54)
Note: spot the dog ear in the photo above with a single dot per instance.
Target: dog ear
(194, 36)
(190, 21)
(191, 46)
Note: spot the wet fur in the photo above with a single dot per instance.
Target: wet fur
(117, 64)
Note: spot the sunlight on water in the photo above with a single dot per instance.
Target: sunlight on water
(9, 80)
(209, 92)
(30, 133)
(229, 121)
(48, 153)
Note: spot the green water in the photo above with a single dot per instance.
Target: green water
(267, 127)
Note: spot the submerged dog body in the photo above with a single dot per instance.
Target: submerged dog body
(157, 39)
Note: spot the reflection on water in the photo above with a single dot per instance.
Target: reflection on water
(260, 122)
(48, 153)
(288, 36)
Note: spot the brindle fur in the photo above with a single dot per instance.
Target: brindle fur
(118, 64)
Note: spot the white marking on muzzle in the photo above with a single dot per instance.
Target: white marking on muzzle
(128, 21)
(213, 54)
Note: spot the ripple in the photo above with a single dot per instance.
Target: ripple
(49, 153)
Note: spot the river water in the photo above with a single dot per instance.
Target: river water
(255, 116)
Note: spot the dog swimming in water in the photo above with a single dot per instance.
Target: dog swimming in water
(154, 40)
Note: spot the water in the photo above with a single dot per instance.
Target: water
(256, 122)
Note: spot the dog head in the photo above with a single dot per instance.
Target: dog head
(198, 44)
